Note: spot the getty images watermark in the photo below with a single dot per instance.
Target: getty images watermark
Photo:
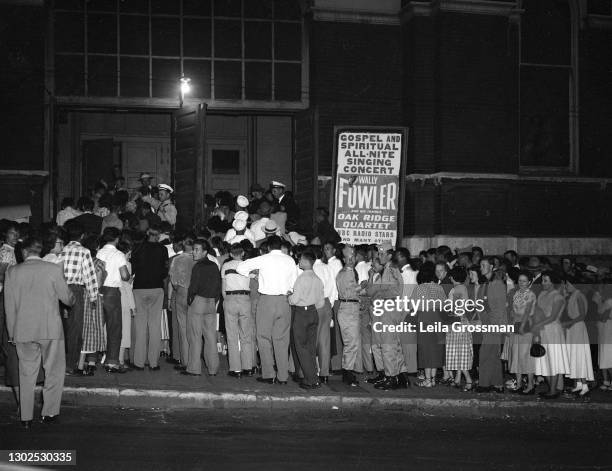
(459, 308)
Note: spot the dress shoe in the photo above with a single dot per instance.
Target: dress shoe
(187, 373)
(402, 381)
(138, 368)
(26, 424)
(376, 379)
(266, 380)
(89, 370)
(48, 419)
(234, 374)
(324, 379)
(115, 369)
(180, 367)
(154, 368)
(296, 378)
(310, 386)
(74, 372)
(248, 372)
(282, 383)
(172, 361)
(350, 379)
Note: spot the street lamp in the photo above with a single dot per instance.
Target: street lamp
(184, 89)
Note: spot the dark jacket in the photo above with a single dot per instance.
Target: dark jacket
(150, 265)
(91, 223)
(205, 280)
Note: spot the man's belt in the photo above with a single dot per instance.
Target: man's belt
(348, 300)
(306, 308)
(238, 292)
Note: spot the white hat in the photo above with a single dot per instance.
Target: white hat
(276, 184)
(242, 201)
(163, 186)
(239, 224)
(145, 175)
(241, 215)
(271, 227)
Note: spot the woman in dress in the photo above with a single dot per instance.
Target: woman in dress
(430, 351)
(547, 329)
(459, 349)
(476, 292)
(522, 309)
(579, 348)
(603, 299)
(128, 306)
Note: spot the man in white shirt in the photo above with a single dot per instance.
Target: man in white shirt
(237, 311)
(330, 292)
(277, 275)
(408, 339)
(116, 271)
(362, 268)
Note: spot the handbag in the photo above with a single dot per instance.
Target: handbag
(537, 350)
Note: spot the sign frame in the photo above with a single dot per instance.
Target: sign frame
(404, 131)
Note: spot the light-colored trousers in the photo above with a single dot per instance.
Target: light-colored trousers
(350, 329)
(180, 347)
(409, 343)
(239, 330)
(386, 346)
(147, 324)
(366, 334)
(53, 354)
(202, 322)
(273, 327)
(324, 338)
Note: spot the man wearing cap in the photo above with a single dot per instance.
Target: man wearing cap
(286, 204)
(239, 230)
(269, 230)
(166, 210)
(242, 203)
(277, 275)
(257, 193)
(145, 180)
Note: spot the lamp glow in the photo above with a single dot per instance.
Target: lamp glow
(185, 85)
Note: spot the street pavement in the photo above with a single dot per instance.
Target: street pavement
(116, 439)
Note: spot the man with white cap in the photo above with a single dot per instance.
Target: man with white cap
(239, 230)
(145, 180)
(166, 210)
(242, 203)
(286, 204)
(277, 275)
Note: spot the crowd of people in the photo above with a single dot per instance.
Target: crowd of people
(116, 283)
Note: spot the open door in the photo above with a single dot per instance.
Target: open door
(188, 139)
(98, 161)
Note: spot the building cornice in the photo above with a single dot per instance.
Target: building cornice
(438, 177)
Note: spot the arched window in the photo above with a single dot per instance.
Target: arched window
(548, 99)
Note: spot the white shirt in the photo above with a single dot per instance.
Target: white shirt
(335, 267)
(324, 273)
(66, 214)
(410, 280)
(233, 238)
(257, 228)
(277, 272)
(362, 269)
(113, 259)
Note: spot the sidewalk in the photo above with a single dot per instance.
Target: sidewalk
(167, 389)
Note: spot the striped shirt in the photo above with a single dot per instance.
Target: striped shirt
(79, 268)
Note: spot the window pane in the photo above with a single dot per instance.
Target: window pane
(68, 4)
(257, 40)
(228, 40)
(228, 80)
(544, 117)
(134, 34)
(68, 32)
(599, 7)
(545, 30)
(69, 75)
(226, 161)
(166, 7)
(101, 5)
(228, 7)
(134, 6)
(101, 76)
(196, 7)
(287, 41)
(165, 36)
(288, 82)
(258, 9)
(258, 80)
(287, 10)
(102, 33)
(196, 38)
(166, 75)
(199, 73)
(134, 77)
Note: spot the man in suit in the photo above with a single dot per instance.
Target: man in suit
(33, 290)
(286, 203)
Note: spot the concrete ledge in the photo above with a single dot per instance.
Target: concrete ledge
(484, 405)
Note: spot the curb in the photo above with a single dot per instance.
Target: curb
(173, 399)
